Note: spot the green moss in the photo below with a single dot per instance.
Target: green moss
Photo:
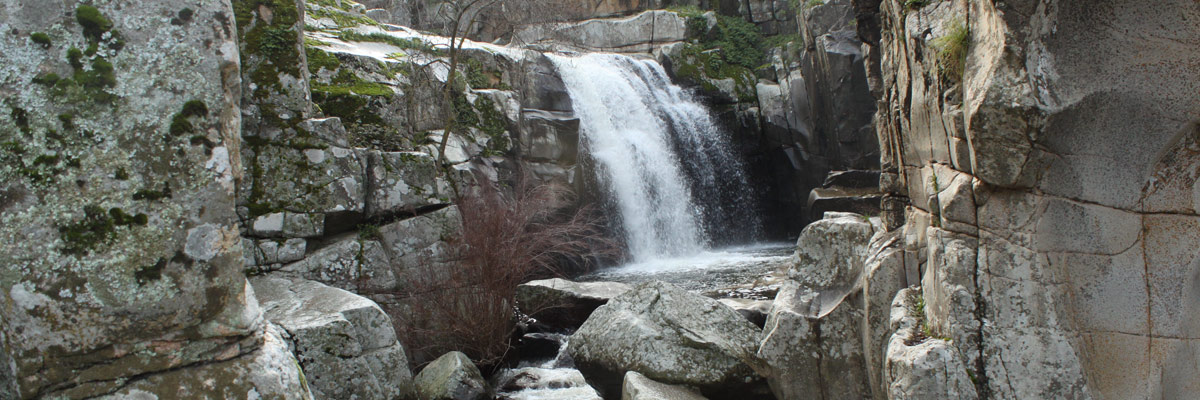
(96, 228)
(41, 39)
(194, 108)
(152, 195)
(343, 19)
(319, 59)
(464, 113)
(20, 118)
(952, 51)
(403, 43)
(492, 123)
(121, 174)
(68, 120)
(181, 124)
(915, 4)
(268, 50)
(47, 79)
(75, 57)
(150, 273)
(369, 232)
(94, 24)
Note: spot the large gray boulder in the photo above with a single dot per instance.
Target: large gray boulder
(815, 337)
(345, 343)
(565, 304)
(669, 335)
(451, 377)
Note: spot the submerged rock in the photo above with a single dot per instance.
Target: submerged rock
(451, 377)
(565, 304)
(669, 335)
(533, 383)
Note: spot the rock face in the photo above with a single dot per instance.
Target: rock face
(669, 335)
(637, 34)
(345, 343)
(565, 304)
(121, 257)
(920, 367)
(1056, 251)
(639, 387)
(451, 377)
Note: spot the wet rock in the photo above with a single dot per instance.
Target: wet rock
(565, 304)
(533, 383)
(451, 377)
(669, 335)
(345, 343)
(639, 387)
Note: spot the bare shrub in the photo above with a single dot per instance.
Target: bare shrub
(508, 238)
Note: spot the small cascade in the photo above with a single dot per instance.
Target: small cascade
(667, 168)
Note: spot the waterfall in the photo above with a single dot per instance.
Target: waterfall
(661, 159)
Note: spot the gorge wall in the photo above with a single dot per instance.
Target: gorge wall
(1039, 159)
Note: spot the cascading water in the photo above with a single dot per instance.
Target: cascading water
(668, 169)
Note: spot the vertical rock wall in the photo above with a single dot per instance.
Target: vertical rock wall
(1044, 181)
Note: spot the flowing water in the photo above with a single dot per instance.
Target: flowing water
(670, 173)
(668, 170)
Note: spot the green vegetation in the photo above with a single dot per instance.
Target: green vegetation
(94, 24)
(378, 37)
(924, 330)
(268, 49)
(41, 39)
(705, 66)
(346, 82)
(319, 59)
(915, 4)
(96, 228)
(369, 232)
(814, 3)
(952, 51)
(181, 123)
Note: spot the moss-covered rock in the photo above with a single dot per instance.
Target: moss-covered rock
(105, 280)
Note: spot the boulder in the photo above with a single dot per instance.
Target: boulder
(669, 335)
(565, 304)
(451, 377)
(830, 252)
(345, 343)
(639, 387)
(813, 344)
